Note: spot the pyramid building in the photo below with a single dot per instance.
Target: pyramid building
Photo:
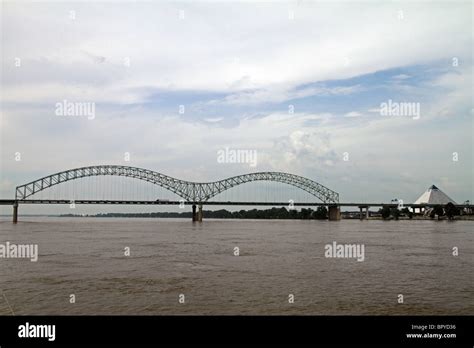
(434, 196)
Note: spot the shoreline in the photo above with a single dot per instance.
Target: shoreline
(417, 218)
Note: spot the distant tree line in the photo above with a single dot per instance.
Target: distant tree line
(320, 213)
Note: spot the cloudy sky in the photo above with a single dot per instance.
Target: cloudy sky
(301, 83)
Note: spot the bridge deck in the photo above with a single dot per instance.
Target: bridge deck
(165, 202)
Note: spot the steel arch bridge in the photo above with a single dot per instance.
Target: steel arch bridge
(198, 192)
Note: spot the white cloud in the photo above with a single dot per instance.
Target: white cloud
(353, 114)
(401, 77)
(213, 49)
(277, 94)
(214, 120)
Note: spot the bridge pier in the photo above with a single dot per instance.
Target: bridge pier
(199, 215)
(15, 212)
(334, 213)
(361, 213)
(194, 213)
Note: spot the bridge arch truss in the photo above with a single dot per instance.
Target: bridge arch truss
(188, 190)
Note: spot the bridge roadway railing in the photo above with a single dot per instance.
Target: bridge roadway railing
(243, 203)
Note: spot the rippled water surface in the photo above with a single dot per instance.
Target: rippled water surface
(85, 257)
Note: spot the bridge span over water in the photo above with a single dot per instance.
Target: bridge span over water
(193, 194)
